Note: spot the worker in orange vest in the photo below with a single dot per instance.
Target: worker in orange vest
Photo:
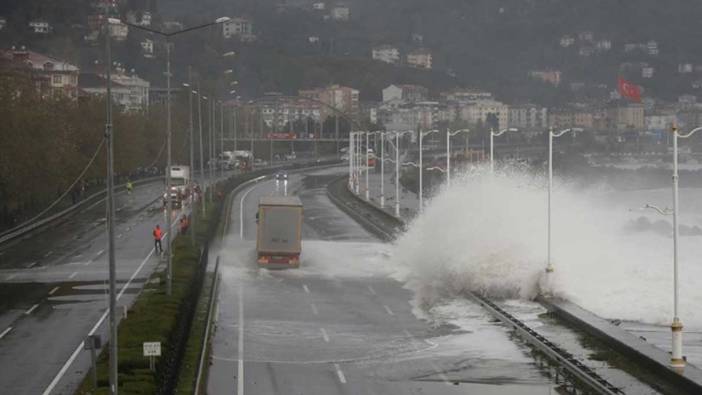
(158, 234)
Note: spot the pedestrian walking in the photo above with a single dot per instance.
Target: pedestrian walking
(158, 234)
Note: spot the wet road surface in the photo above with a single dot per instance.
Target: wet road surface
(340, 324)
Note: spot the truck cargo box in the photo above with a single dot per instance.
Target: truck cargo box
(279, 235)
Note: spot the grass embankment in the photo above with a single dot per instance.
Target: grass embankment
(156, 316)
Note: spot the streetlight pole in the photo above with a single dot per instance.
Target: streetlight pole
(382, 169)
(397, 174)
(421, 168)
(113, 363)
(221, 137)
(169, 206)
(494, 134)
(203, 179)
(350, 153)
(677, 361)
(551, 135)
(450, 134)
(192, 149)
(367, 166)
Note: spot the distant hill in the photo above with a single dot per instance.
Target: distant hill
(489, 44)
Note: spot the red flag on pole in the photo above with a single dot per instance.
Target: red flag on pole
(629, 90)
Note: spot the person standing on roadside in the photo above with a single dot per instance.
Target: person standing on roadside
(158, 234)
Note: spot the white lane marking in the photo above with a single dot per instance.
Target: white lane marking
(48, 253)
(307, 290)
(241, 211)
(78, 349)
(73, 275)
(5, 332)
(314, 309)
(32, 264)
(31, 309)
(339, 373)
(372, 291)
(388, 310)
(53, 291)
(11, 277)
(325, 336)
(99, 253)
(240, 368)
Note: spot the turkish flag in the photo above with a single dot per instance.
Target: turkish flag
(629, 90)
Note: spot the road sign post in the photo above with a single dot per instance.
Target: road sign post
(92, 343)
(152, 350)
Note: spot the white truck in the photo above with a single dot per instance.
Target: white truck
(179, 188)
(279, 234)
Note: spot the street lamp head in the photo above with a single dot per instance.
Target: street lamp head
(185, 84)
(204, 98)
(234, 83)
(227, 54)
(223, 19)
(228, 71)
(232, 92)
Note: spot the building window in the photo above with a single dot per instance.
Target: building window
(56, 79)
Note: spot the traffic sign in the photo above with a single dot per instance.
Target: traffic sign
(152, 349)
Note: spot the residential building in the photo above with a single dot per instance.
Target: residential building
(147, 48)
(586, 36)
(420, 58)
(128, 91)
(238, 27)
(119, 31)
(406, 93)
(277, 111)
(93, 84)
(40, 27)
(340, 12)
(528, 117)
(660, 122)
(465, 96)
(172, 26)
(386, 53)
(685, 68)
(480, 111)
(626, 117)
(50, 75)
(603, 45)
(334, 98)
(567, 41)
(552, 77)
(687, 102)
(689, 119)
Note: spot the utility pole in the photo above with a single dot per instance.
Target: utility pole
(114, 385)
